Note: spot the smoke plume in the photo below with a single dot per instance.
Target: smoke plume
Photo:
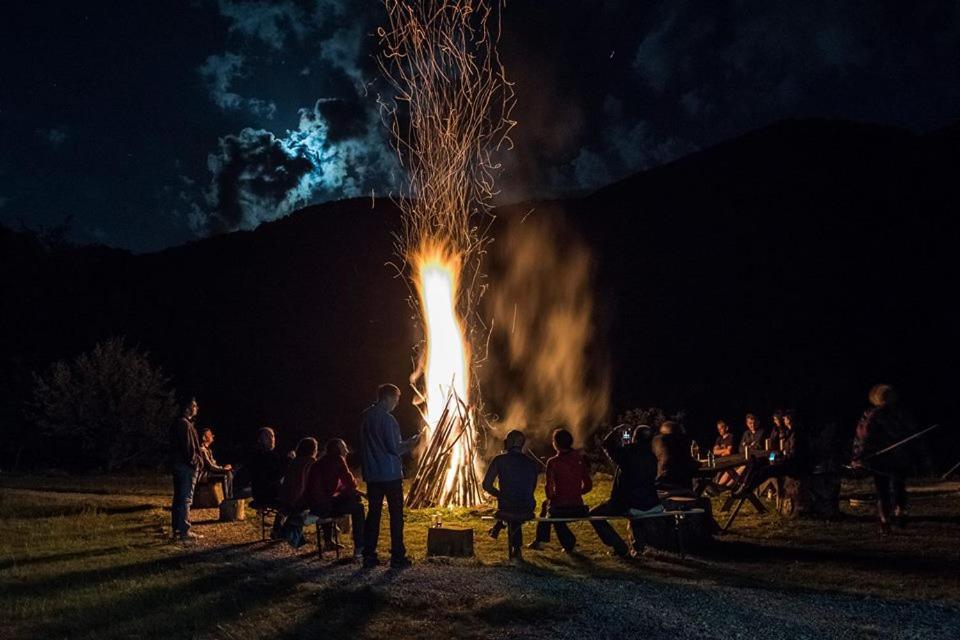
(546, 365)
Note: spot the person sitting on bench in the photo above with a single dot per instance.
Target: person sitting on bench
(633, 491)
(675, 466)
(332, 492)
(568, 479)
(293, 490)
(264, 468)
(515, 475)
(723, 446)
(753, 435)
(211, 470)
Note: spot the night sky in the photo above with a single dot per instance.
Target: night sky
(153, 123)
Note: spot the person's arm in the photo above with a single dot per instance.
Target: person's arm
(395, 443)
(586, 482)
(345, 476)
(613, 445)
(550, 482)
(490, 477)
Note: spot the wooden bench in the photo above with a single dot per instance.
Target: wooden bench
(318, 522)
(264, 510)
(678, 517)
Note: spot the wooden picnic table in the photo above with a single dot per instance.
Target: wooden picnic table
(731, 465)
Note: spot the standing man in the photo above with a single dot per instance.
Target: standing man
(380, 451)
(186, 464)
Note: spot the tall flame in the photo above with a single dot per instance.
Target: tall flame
(447, 353)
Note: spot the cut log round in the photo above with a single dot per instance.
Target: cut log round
(442, 541)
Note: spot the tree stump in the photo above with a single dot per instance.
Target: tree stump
(442, 541)
(233, 510)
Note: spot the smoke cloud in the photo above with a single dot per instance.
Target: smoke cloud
(546, 347)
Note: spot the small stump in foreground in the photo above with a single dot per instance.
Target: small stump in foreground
(442, 541)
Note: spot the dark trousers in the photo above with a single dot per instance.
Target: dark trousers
(376, 492)
(224, 478)
(343, 505)
(184, 481)
(567, 540)
(514, 521)
(606, 532)
(891, 495)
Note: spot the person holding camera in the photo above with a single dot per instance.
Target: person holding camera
(634, 486)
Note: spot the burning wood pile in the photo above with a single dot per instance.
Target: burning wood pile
(443, 479)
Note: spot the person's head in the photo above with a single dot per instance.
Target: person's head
(336, 447)
(266, 438)
(881, 395)
(514, 440)
(751, 422)
(206, 436)
(190, 409)
(562, 440)
(778, 418)
(388, 395)
(789, 419)
(307, 448)
(722, 427)
(642, 435)
(670, 426)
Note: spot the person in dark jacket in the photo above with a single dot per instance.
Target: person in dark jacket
(512, 478)
(882, 425)
(634, 491)
(332, 493)
(675, 465)
(380, 450)
(778, 431)
(185, 463)
(212, 471)
(753, 435)
(568, 480)
(264, 467)
(293, 489)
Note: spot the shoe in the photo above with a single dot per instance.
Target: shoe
(190, 535)
(330, 545)
(620, 552)
(536, 545)
(516, 555)
(358, 553)
(572, 551)
(493, 533)
(885, 529)
(900, 517)
(400, 563)
(370, 563)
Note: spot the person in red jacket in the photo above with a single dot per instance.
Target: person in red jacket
(568, 479)
(332, 492)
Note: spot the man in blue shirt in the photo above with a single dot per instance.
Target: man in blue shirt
(380, 451)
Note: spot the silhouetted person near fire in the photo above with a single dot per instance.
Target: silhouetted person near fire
(882, 425)
(568, 479)
(212, 471)
(634, 491)
(185, 464)
(332, 493)
(675, 465)
(264, 469)
(512, 478)
(380, 449)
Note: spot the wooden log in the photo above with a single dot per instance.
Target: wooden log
(443, 541)
(207, 495)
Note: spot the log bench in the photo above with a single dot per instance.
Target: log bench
(676, 517)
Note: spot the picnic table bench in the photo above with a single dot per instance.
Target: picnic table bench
(740, 490)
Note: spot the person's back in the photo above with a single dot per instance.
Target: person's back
(516, 476)
(294, 487)
(265, 469)
(635, 483)
(329, 476)
(675, 466)
(568, 478)
(380, 445)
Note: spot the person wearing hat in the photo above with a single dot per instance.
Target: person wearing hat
(332, 493)
(512, 478)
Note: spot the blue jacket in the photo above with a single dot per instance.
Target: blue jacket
(516, 478)
(381, 446)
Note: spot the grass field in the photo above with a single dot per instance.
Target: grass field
(91, 557)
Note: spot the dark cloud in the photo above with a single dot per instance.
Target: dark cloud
(218, 74)
(55, 136)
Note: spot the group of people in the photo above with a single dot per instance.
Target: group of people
(652, 467)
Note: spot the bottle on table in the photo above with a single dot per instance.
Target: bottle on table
(710, 459)
(695, 450)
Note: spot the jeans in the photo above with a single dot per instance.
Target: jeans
(567, 540)
(891, 495)
(343, 505)
(514, 521)
(376, 491)
(608, 535)
(184, 480)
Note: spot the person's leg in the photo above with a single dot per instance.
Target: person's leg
(496, 529)
(371, 527)
(354, 508)
(636, 532)
(176, 507)
(882, 484)
(228, 485)
(899, 500)
(543, 528)
(515, 533)
(394, 495)
(605, 531)
(567, 540)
